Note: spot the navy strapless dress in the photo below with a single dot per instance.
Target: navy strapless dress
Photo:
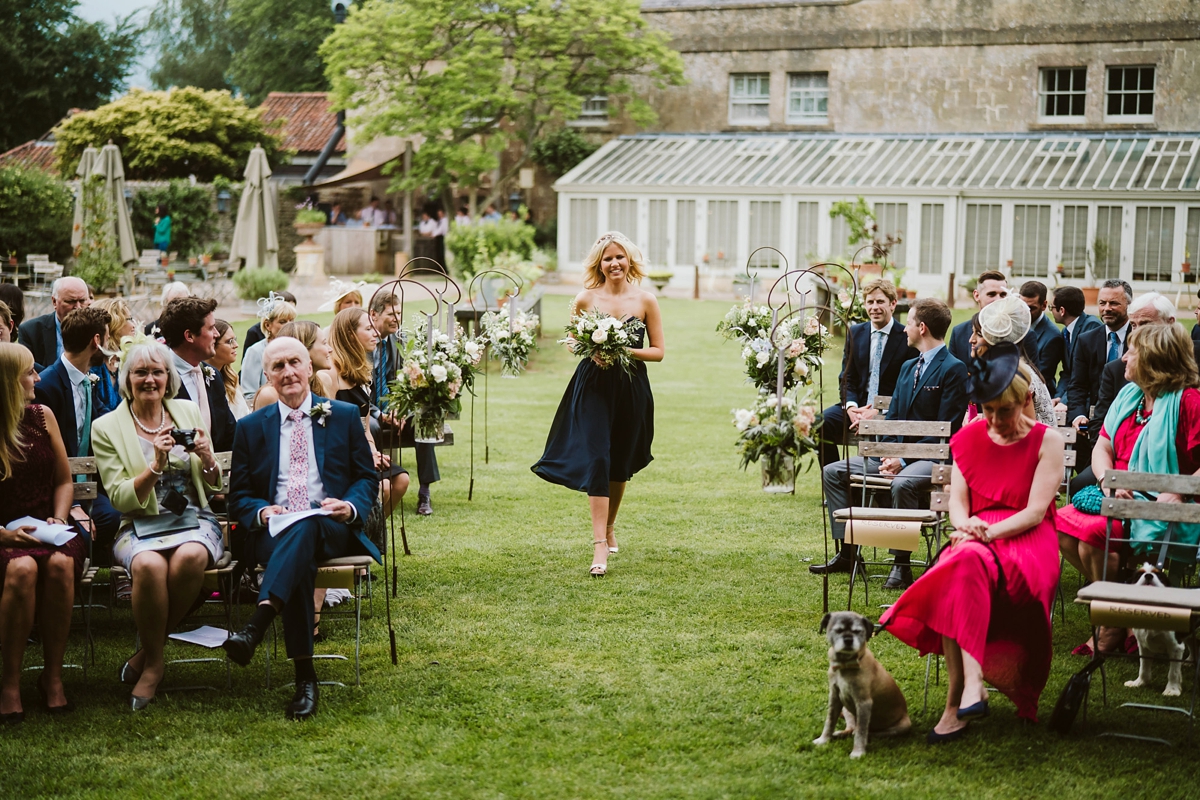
(603, 429)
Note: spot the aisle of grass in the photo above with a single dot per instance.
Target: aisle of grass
(693, 670)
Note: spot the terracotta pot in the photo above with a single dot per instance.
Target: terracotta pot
(1091, 295)
(1185, 267)
(206, 259)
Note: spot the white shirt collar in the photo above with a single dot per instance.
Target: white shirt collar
(285, 409)
(1121, 333)
(75, 375)
(886, 329)
(1071, 325)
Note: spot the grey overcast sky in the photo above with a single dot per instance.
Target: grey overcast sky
(106, 11)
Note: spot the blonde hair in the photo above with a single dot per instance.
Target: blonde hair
(593, 276)
(350, 358)
(353, 293)
(305, 332)
(282, 311)
(15, 361)
(1165, 359)
(119, 315)
(1018, 389)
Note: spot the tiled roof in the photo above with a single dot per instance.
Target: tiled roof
(309, 122)
(34, 153)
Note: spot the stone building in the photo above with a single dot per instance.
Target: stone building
(990, 133)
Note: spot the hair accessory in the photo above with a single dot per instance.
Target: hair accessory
(268, 304)
(993, 372)
(339, 289)
(1005, 320)
(129, 342)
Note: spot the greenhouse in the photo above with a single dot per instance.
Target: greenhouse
(1072, 208)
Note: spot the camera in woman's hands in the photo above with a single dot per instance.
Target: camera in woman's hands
(185, 438)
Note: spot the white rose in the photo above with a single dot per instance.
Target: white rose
(741, 418)
(762, 358)
(438, 372)
(747, 352)
(599, 335)
(472, 349)
(801, 368)
(843, 298)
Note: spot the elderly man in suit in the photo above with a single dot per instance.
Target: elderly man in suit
(931, 387)
(870, 365)
(67, 388)
(1067, 306)
(384, 311)
(189, 327)
(1044, 336)
(301, 452)
(43, 335)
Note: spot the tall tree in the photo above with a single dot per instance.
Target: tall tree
(172, 134)
(473, 79)
(194, 43)
(52, 61)
(275, 46)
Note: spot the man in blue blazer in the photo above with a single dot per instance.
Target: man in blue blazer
(870, 365)
(189, 327)
(67, 388)
(43, 335)
(931, 387)
(300, 453)
(1067, 306)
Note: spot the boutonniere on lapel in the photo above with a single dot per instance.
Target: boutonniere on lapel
(320, 412)
(209, 374)
(94, 379)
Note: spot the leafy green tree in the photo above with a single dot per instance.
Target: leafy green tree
(275, 46)
(53, 61)
(473, 80)
(558, 152)
(193, 215)
(194, 43)
(35, 213)
(174, 134)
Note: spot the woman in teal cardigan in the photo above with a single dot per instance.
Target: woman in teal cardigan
(162, 229)
(146, 472)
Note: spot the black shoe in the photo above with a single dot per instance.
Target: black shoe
(10, 720)
(304, 702)
(241, 645)
(842, 562)
(933, 737)
(900, 577)
(424, 508)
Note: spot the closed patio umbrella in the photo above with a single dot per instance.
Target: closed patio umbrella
(109, 167)
(255, 238)
(82, 171)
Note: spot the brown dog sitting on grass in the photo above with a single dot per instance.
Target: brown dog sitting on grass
(860, 689)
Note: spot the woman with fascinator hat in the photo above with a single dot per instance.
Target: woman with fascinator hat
(985, 603)
(1007, 320)
(273, 313)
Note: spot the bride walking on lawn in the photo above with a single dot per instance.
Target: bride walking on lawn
(604, 426)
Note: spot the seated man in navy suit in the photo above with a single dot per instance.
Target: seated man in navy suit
(870, 365)
(189, 327)
(301, 452)
(43, 335)
(1044, 335)
(67, 388)
(931, 387)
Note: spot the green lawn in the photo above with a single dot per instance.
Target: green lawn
(693, 670)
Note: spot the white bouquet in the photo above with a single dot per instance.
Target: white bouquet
(604, 339)
(511, 340)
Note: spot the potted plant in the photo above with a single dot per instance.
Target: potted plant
(12, 258)
(660, 279)
(1098, 253)
(860, 220)
(309, 221)
(1186, 266)
(776, 433)
(252, 284)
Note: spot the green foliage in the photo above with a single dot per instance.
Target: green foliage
(860, 219)
(475, 79)
(476, 247)
(192, 211)
(53, 61)
(259, 282)
(275, 46)
(558, 152)
(35, 213)
(174, 134)
(98, 261)
(193, 41)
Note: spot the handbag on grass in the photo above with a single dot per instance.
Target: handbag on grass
(158, 525)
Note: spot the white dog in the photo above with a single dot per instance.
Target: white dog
(1157, 643)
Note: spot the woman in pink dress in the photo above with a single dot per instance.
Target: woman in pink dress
(985, 604)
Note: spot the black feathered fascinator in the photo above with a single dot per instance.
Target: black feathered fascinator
(992, 372)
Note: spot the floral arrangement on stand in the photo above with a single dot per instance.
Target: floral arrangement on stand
(849, 306)
(604, 339)
(511, 338)
(802, 339)
(776, 433)
(437, 369)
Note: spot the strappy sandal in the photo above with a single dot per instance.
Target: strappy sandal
(598, 570)
(612, 548)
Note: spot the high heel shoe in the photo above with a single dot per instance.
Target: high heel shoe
(974, 711)
(599, 570)
(65, 708)
(128, 675)
(15, 718)
(138, 703)
(608, 530)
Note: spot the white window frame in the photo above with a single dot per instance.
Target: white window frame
(807, 92)
(1045, 95)
(1107, 93)
(743, 98)
(592, 114)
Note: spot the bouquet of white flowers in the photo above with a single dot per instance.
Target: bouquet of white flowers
(802, 340)
(849, 306)
(430, 384)
(604, 339)
(776, 433)
(511, 341)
